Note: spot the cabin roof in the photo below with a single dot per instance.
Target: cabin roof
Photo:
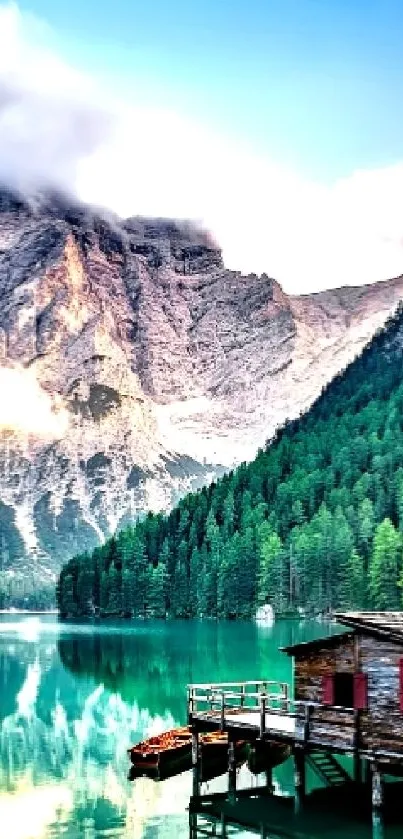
(328, 641)
(383, 625)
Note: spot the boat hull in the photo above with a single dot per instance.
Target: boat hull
(171, 754)
(264, 755)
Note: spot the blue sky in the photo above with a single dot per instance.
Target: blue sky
(277, 124)
(317, 84)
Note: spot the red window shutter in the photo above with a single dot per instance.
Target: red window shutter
(328, 690)
(401, 683)
(360, 691)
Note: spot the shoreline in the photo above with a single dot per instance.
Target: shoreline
(28, 611)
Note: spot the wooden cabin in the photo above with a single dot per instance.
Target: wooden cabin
(351, 687)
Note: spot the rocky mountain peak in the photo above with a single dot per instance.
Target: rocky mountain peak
(178, 244)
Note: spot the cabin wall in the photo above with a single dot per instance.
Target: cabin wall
(382, 727)
(335, 729)
(310, 669)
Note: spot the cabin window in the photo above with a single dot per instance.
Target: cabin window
(344, 690)
(348, 690)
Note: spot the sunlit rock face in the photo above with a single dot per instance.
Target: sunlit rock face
(134, 367)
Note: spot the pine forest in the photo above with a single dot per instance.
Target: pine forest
(313, 524)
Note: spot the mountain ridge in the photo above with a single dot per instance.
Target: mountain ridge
(161, 367)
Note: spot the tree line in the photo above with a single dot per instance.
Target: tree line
(314, 523)
(24, 590)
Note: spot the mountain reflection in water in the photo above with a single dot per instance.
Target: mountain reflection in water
(74, 697)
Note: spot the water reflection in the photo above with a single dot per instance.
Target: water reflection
(63, 747)
(330, 813)
(152, 668)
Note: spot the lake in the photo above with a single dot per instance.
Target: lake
(74, 697)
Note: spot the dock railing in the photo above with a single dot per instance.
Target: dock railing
(312, 719)
(237, 694)
(251, 696)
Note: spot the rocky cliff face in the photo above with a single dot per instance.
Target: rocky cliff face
(134, 366)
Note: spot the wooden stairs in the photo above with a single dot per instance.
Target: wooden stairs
(328, 769)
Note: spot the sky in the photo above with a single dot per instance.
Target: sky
(277, 124)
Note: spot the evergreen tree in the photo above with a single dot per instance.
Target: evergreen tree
(385, 566)
(272, 576)
(157, 591)
(352, 587)
(114, 600)
(180, 583)
(85, 587)
(68, 606)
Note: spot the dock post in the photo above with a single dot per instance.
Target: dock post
(377, 826)
(231, 771)
(377, 802)
(366, 772)
(358, 769)
(196, 764)
(377, 788)
(192, 825)
(299, 777)
(269, 779)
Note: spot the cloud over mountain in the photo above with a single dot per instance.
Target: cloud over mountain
(49, 116)
(60, 126)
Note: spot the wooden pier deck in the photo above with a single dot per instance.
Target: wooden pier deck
(280, 727)
(263, 710)
(348, 701)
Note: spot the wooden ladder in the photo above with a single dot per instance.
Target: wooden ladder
(328, 768)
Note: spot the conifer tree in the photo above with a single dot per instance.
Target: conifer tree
(385, 566)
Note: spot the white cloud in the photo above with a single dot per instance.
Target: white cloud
(51, 116)
(57, 125)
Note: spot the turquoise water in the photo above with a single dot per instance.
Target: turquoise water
(74, 697)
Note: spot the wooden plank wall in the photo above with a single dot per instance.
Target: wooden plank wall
(327, 727)
(382, 727)
(324, 661)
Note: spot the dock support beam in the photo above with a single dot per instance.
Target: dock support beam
(366, 773)
(269, 779)
(196, 764)
(377, 802)
(377, 788)
(231, 772)
(299, 777)
(192, 825)
(358, 768)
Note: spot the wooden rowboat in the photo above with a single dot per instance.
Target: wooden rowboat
(169, 753)
(170, 746)
(266, 754)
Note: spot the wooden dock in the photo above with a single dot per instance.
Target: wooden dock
(264, 710)
(348, 701)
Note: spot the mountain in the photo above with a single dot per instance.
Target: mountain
(314, 523)
(135, 367)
